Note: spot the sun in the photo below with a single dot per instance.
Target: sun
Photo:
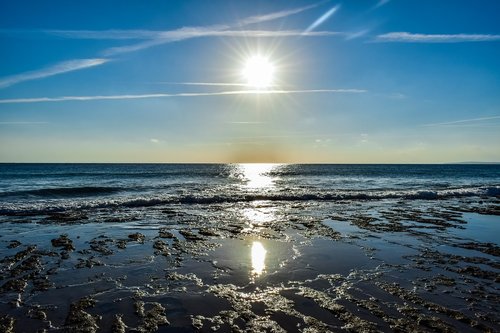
(258, 72)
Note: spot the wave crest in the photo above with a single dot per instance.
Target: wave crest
(57, 205)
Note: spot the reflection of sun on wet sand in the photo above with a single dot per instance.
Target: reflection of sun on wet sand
(258, 254)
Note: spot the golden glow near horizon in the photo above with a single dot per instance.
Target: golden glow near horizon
(258, 72)
(258, 254)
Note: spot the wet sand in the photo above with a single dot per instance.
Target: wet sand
(258, 266)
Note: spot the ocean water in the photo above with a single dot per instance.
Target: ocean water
(249, 247)
(37, 189)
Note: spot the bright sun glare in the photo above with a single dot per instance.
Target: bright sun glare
(258, 258)
(258, 72)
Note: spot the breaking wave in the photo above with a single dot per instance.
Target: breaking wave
(42, 207)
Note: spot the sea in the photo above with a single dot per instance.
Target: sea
(249, 248)
(38, 189)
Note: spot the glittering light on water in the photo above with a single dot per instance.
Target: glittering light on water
(256, 218)
(258, 258)
(257, 175)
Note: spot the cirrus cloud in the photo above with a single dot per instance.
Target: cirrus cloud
(62, 67)
(407, 37)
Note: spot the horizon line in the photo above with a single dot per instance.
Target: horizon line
(288, 163)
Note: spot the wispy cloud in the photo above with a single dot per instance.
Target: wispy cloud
(185, 33)
(136, 47)
(466, 122)
(356, 34)
(210, 84)
(153, 140)
(112, 34)
(188, 33)
(275, 15)
(485, 125)
(23, 122)
(245, 122)
(382, 3)
(195, 94)
(322, 19)
(152, 38)
(172, 35)
(407, 37)
(166, 36)
(214, 30)
(62, 67)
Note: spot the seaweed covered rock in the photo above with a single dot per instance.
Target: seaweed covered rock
(63, 241)
(80, 321)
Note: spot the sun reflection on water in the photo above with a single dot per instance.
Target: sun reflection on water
(257, 175)
(258, 254)
(259, 215)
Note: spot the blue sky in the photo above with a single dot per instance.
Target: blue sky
(161, 81)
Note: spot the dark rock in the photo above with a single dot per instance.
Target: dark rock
(101, 246)
(42, 284)
(189, 235)
(89, 263)
(80, 321)
(118, 325)
(36, 312)
(64, 242)
(161, 247)
(67, 217)
(121, 244)
(478, 272)
(208, 232)
(164, 233)
(13, 244)
(14, 285)
(151, 319)
(138, 237)
(6, 324)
